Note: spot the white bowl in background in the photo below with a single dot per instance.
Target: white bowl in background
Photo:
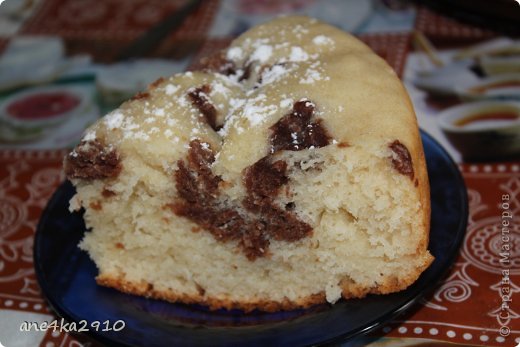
(31, 113)
(117, 83)
(504, 87)
(483, 130)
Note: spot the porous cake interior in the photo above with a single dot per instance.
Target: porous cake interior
(363, 234)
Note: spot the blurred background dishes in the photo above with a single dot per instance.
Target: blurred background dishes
(30, 114)
(488, 70)
(116, 83)
(499, 65)
(504, 86)
(483, 130)
(32, 60)
(498, 47)
(447, 79)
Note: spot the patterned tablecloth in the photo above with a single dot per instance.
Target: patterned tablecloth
(476, 304)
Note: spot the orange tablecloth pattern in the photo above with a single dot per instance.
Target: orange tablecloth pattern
(481, 294)
(478, 303)
(440, 28)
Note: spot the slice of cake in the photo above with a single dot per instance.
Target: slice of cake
(287, 172)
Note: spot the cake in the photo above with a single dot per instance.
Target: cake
(288, 171)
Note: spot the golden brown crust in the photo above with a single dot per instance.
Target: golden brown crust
(145, 289)
(350, 290)
(421, 175)
(390, 285)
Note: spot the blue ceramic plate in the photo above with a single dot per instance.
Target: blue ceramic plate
(66, 276)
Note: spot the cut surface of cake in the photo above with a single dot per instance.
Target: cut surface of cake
(287, 172)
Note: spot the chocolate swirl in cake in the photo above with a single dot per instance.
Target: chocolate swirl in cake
(201, 199)
(295, 131)
(92, 160)
(401, 159)
(199, 98)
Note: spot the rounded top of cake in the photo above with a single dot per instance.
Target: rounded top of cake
(249, 86)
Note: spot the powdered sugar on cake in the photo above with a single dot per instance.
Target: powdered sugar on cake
(235, 53)
(257, 109)
(261, 54)
(322, 40)
(258, 63)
